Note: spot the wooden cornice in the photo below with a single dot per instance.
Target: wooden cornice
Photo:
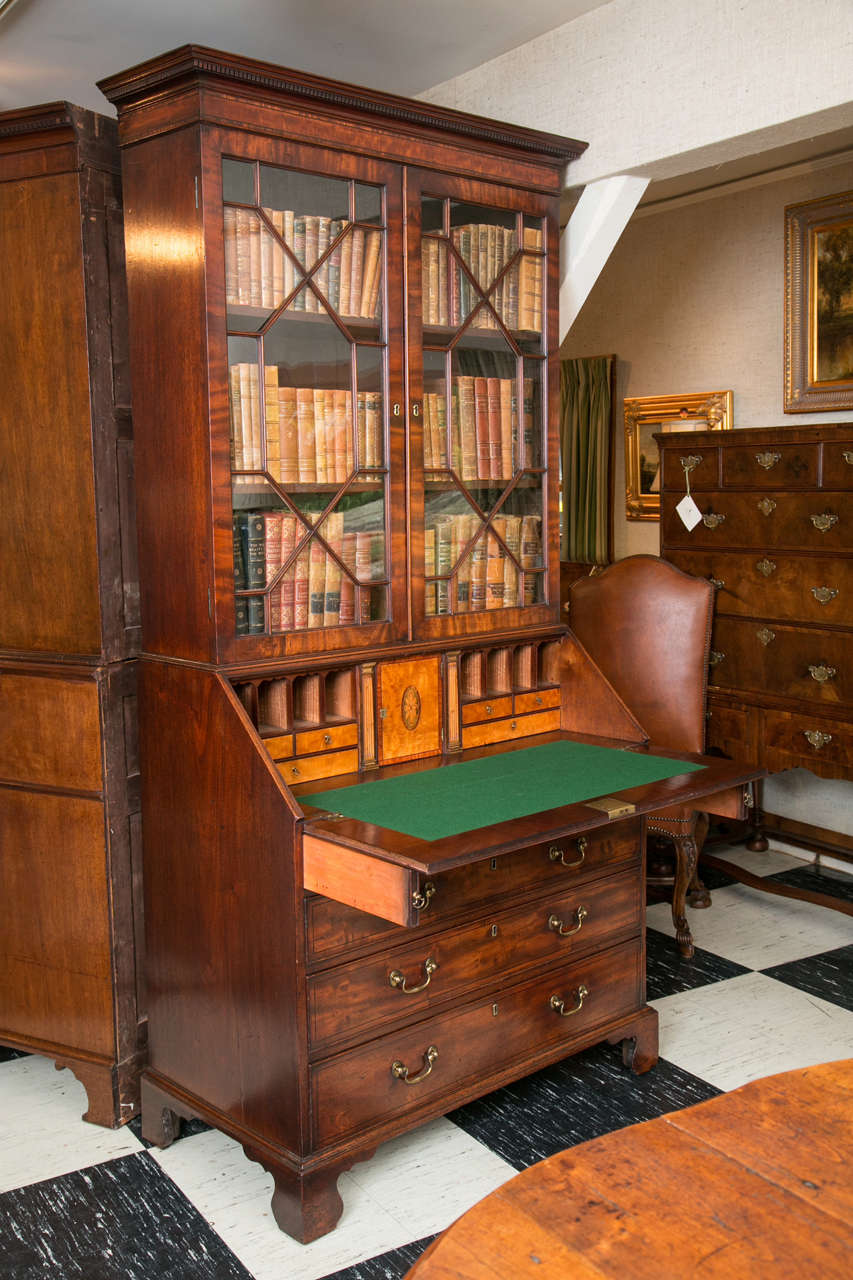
(194, 64)
(93, 137)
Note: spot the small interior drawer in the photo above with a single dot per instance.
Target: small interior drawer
(327, 738)
(325, 766)
(510, 727)
(486, 709)
(536, 700)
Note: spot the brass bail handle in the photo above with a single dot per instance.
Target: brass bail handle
(556, 854)
(558, 926)
(401, 1072)
(398, 979)
(559, 1006)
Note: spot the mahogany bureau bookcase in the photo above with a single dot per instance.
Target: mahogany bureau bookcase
(343, 331)
(775, 540)
(69, 610)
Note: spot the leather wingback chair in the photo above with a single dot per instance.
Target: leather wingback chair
(647, 626)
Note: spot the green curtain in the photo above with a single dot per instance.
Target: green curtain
(585, 457)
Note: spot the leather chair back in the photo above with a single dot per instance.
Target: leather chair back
(647, 625)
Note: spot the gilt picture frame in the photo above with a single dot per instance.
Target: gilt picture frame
(818, 368)
(646, 415)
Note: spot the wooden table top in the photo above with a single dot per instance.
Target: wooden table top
(756, 1183)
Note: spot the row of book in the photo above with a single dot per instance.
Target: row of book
(315, 591)
(484, 436)
(261, 272)
(488, 576)
(308, 431)
(449, 295)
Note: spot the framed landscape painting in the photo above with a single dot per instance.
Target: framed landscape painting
(819, 305)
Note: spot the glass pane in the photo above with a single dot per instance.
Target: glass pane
(238, 181)
(450, 527)
(532, 417)
(308, 400)
(368, 204)
(486, 240)
(370, 432)
(258, 273)
(245, 409)
(484, 413)
(304, 194)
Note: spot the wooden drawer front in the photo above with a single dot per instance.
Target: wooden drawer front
(730, 730)
(486, 709)
(771, 466)
(325, 766)
(704, 475)
(344, 1002)
(790, 524)
(537, 700)
(480, 735)
(795, 662)
(787, 745)
(329, 738)
(814, 589)
(280, 748)
(838, 464)
(333, 928)
(355, 1089)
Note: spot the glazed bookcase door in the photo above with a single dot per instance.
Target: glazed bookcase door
(310, 371)
(482, 468)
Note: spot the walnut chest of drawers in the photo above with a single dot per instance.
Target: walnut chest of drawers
(775, 540)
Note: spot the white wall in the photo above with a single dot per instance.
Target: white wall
(671, 86)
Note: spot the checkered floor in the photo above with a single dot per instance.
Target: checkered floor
(770, 989)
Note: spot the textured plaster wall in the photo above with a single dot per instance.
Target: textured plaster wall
(692, 300)
(646, 81)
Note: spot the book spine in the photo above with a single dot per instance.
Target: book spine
(289, 434)
(429, 571)
(505, 391)
(531, 555)
(347, 614)
(289, 535)
(356, 271)
(426, 432)
(288, 236)
(529, 452)
(299, 302)
(312, 232)
(231, 256)
(334, 530)
(322, 275)
(321, 442)
(512, 537)
(300, 585)
(272, 425)
(272, 554)
(493, 393)
(335, 265)
(444, 557)
(372, 246)
(478, 575)
(316, 584)
(495, 567)
(236, 418)
(467, 427)
(481, 428)
(307, 462)
(241, 580)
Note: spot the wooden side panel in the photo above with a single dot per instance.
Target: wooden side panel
(49, 597)
(165, 271)
(50, 732)
(359, 881)
(55, 979)
(590, 703)
(223, 905)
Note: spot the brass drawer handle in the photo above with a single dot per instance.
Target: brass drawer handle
(294, 771)
(823, 595)
(817, 739)
(713, 520)
(822, 673)
(398, 980)
(765, 567)
(824, 522)
(691, 461)
(401, 1072)
(559, 1006)
(768, 460)
(765, 635)
(847, 455)
(421, 897)
(555, 923)
(488, 708)
(715, 658)
(557, 854)
(766, 506)
(327, 739)
(719, 583)
(537, 701)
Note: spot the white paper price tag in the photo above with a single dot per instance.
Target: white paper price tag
(689, 512)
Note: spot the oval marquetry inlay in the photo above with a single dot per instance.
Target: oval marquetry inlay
(410, 707)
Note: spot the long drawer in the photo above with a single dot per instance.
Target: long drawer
(458, 1053)
(794, 741)
(404, 982)
(334, 929)
(796, 588)
(807, 663)
(814, 521)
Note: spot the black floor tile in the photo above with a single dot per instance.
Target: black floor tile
(7, 1054)
(582, 1097)
(668, 972)
(835, 884)
(121, 1220)
(385, 1266)
(828, 975)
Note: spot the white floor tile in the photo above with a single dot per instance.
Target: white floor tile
(757, 930)
(42, 1134)
(769, 863)
(413, 1186)
(734, 1031)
